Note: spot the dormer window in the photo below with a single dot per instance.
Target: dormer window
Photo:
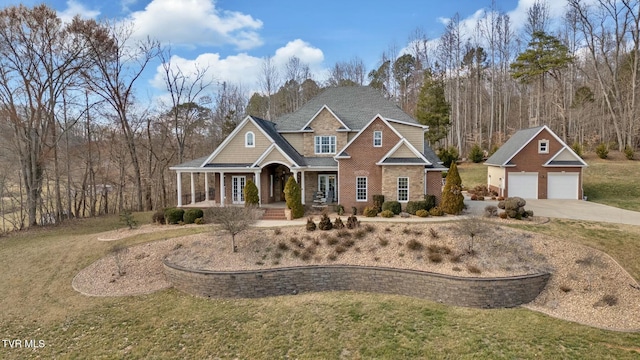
(249, 139)
(377, 138)
(543, 146)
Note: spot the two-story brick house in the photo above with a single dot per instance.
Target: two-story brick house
(347, 144)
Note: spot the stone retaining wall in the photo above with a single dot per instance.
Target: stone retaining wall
(459, 291)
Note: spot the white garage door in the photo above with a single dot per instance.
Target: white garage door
(562, 185)
(524, 185)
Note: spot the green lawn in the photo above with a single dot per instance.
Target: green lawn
(38, 303)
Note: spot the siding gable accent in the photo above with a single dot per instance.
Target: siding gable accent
(275, 154)
(307, 126)
(342, 154)
(566, 157)
(403, 153)
(232, 136)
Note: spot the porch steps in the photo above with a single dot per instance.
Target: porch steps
(273, 214)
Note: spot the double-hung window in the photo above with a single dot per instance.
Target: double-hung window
(361, 188)
(403, 189)
(249, 139)
(325, 144)
(377, 138)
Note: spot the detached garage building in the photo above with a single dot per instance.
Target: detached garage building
(535, 164)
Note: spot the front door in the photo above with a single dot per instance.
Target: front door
(327, 185)
(237, 185)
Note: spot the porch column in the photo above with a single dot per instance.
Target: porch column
(256, 177)
(179, 186)
(302, 186)
(222, 188)
(206, 186)
(193, 190)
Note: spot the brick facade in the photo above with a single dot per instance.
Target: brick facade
(323, 124)
(458, 291)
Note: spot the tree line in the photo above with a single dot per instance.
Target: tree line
(78, 141)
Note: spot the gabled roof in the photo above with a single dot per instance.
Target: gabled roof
(343, 153)
(352, 105)
(565, 157)
(269, 131)
(196, 163)
(517, 142)
(307, 126)
(417, 159)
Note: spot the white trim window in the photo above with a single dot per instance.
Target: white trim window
(361, 188)
(325, 144)
(403, 189)
(377, 138)
(543, 146)
(249, 139)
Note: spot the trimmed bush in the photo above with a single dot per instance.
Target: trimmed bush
(452, 198)
(158, 217)
(199, 221)
(338, 224)
(190, 215)
(173, 215)
(414, 206)
(422, 213)
(436, 211)
(340, 209)
(311, 226)
(325, 223)
(352, 222)
(392, 206)
(448, 155)
(514, 208)
(370, 211)
(490, 211)
(387, 213)
(602, 150)
(293, 198)
(251, 197)
(476, 154)
(378, 200)
(431, 201)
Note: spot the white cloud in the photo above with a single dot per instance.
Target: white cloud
(244, 69)
(75, 8)
(196, 22)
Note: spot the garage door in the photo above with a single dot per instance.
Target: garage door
(524, 185)
(562, 185)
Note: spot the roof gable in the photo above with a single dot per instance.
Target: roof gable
(343, 152)
(240, 127)
(515, 144)
(566, 157)
(403, 153)
(352, 105)
(307, 126)
(275, 154)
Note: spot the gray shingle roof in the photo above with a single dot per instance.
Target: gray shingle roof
(512, 146)
(193, 163)
(354, 105)
(270, 129)
(321, 161)
(408, 161)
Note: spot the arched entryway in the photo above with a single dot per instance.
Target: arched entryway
(274, 178)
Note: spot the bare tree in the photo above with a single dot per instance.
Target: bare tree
(119, 62)
(234, 219)
(269, 81)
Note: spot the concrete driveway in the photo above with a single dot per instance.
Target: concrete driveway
(568, 209)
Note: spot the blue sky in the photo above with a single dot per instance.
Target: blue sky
(232, 36)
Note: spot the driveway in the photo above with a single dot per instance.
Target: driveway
(568, 209)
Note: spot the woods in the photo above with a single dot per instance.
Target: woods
(79, 139)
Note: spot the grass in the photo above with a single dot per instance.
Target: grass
(610, 181)
(39, 303)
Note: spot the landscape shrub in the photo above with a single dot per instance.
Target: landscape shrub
(370, 211)
(414, 206)
(173, 215)
(251, 197)
(578, 149)
(352, 222)
(338, 224)
(452, 198)
(448, 155)
(311, 225)
(422, 213)
(340, 209)
(628, 152)
(325, 223)
(602, 150)
(431, 201)
(387, 213)
(414, 245)
(436, 211)
(393, 206)
(126, 217)
(490, 211)
(435, 258)
(199, 221)
(378, 200)
(354, 211)
(476, 154)
(190, 215)
(158, 217)
(514, 207)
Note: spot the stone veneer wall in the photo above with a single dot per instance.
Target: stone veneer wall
(459, 291)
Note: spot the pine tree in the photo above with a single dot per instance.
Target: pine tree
(433, 108)
(452, 198)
